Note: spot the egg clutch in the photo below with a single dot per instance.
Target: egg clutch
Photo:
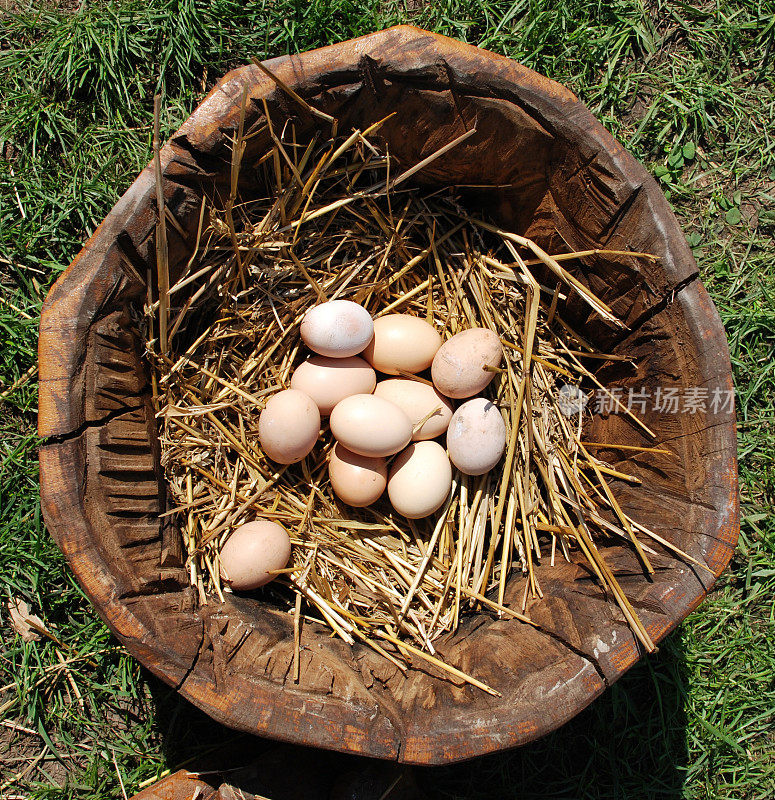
(360, 402)
(372, 421)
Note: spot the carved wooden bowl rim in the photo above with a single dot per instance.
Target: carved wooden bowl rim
(108, 268)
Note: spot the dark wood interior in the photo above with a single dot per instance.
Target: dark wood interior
(570, 185)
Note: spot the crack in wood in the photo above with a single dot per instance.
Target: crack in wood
(661, 305)
(61, 438)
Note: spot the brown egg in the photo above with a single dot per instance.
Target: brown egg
(251, 552)
(457, 369)
(476, 437)
(288, 426)
(402, 342)
(420, 480)
(356, 480)
(329, 380)
(370, 426)
(417, 400)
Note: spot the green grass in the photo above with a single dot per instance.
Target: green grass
(690, 89)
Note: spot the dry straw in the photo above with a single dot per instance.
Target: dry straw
(339, 219)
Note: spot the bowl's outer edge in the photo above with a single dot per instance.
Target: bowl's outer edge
(97, 273)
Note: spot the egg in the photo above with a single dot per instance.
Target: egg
(457, 366)
(288, 426)
(417, 400)
(337, 329)
(329, 380)
(402, 342)
(370, 426)
(356, 480)
(476, 437)
(420, 480)
(252, 551)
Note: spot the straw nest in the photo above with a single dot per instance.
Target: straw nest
(340, 218)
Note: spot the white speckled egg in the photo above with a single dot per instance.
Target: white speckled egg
(370, 426)
(288, 426)
(476, 437)
(251, 552)
(337, 329)
(417, 400)
(457, 366)
(420, 480)
(356, 480)
(329, 380)
(402, 342)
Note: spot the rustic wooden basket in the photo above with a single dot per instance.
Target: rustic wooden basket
(572, 186)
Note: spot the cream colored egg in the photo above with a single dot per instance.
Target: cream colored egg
(288, 426)
(420, 480)
(338, 328)
(402, 342)
(457, 369)
(329, 380)
(356, 480)
(417, 400)
(370, 426)
(476, 437)
(251, 552)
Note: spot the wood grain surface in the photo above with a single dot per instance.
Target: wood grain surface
(570, 184)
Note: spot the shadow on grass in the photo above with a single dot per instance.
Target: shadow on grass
(630, 744)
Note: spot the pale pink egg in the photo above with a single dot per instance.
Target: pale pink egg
(402, 342)
(253, 551)
(420, 480)
(288, 426)
(370, 426)
(458, 367)
(329, 380)
(417, 400)
(356, 480)
(337, 329)
(476, 437)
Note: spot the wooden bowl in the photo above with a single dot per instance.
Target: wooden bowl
(567, 184)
